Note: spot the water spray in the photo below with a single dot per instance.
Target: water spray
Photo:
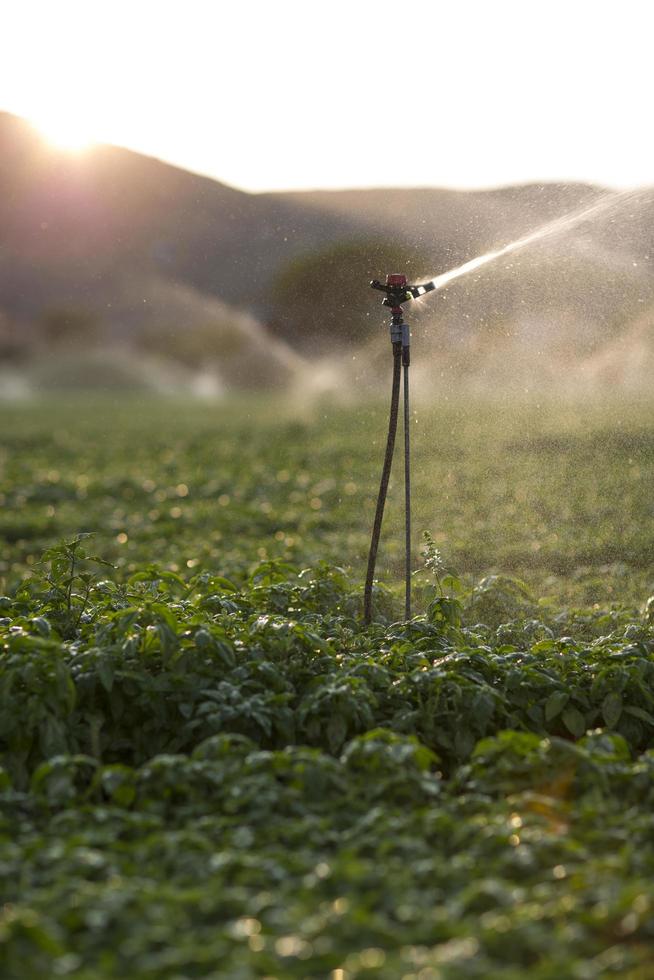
(397, 292)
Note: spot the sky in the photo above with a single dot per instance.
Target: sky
(297, 94)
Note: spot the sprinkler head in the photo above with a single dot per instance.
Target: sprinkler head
(397, 291)
(395, 288)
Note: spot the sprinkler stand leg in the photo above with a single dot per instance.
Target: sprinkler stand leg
(406, 360)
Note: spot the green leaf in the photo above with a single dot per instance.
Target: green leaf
(574, 721)
(637, 712)
(41, 625)
(99, 561)
(336, 732)
(445, 609)
(483, 706)
(166, 615)
(222, 583)
(611, 709)
(452, 583)
(464, 742)
(106, 673)
(555, 704)
(118, 782)
(60, 568)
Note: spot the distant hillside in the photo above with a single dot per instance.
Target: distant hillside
(138, 244)
(111, 211)
(453, 225)
(147, 251)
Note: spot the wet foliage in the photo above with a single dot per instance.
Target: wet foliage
(210, 768)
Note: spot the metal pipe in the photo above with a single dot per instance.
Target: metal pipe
(406, 360)
(383, 486)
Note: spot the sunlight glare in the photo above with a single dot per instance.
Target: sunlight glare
(67, 131)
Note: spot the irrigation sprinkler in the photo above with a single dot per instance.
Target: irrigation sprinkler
(397, 292)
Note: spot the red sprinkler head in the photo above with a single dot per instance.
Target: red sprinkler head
(395, 279)
(395, 288)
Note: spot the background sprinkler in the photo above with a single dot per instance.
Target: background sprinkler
(397, 292)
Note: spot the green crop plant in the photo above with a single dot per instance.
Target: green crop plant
(67, 583)
(210, 768)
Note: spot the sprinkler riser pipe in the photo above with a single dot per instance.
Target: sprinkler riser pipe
(397, 328)
(401, 341)
(406, 345)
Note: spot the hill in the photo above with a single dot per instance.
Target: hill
(132, 250)
(137, 247)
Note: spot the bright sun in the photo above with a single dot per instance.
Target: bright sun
(64, 130)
